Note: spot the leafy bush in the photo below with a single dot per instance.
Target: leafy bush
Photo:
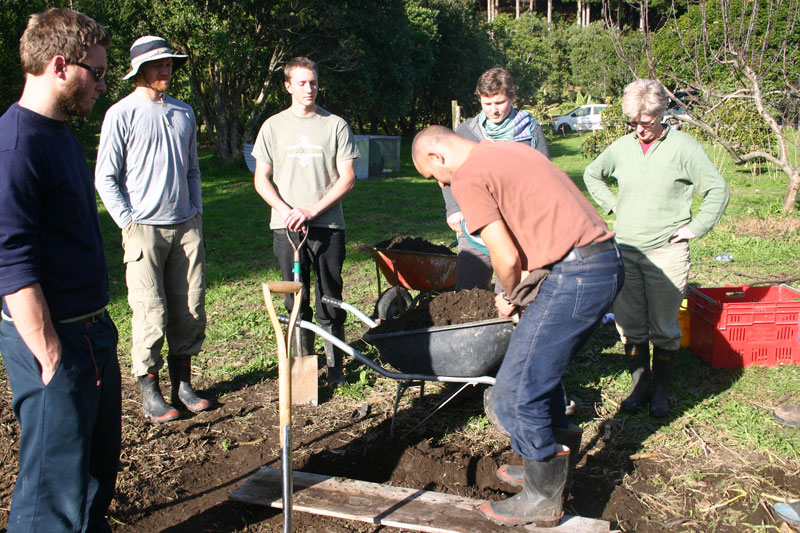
(614, 126)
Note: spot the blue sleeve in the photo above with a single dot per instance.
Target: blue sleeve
(20, 242)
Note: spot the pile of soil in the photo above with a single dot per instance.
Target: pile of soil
(413, 244)
(461, 307)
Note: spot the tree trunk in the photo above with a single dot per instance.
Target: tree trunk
(518, 1)
(580, 12)
(642, 16)
(549, 12)
(790, 199)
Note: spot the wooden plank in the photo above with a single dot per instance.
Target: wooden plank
(416, 510)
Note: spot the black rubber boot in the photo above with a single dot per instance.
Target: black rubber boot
(155, 408)
(335, 376)
(306, 342)
(569, 436)
(663, 365)
(180, 376)
(540, 501)
(638, 357)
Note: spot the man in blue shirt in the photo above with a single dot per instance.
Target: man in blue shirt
(58, 343)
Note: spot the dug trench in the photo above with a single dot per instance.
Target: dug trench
(177, 477)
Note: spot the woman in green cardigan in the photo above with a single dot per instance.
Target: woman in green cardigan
(657, 170)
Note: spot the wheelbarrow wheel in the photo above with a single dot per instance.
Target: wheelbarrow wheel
(392, 302)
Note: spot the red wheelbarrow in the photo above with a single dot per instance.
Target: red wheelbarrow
(409, 270)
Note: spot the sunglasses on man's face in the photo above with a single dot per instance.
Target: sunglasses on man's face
(99, 72)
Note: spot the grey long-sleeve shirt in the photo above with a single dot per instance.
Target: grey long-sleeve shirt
(147, 170)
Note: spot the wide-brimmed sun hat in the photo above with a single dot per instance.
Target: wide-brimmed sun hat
(152, 48)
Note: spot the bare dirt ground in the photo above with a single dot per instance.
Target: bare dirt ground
(177, 477)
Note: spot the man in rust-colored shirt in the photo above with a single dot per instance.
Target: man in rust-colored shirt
(559, 261)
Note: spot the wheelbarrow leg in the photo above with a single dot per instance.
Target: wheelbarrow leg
(401, 388)
(442, 404)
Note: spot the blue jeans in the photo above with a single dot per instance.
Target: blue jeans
(70, 429)
(570, 304)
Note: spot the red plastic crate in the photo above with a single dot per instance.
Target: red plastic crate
(741, 326)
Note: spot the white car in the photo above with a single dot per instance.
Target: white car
(585, 118)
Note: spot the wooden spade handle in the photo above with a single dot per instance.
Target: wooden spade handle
(284, 287)
(285, 385)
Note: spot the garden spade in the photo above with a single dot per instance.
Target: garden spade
(304, 367)
(284, 385)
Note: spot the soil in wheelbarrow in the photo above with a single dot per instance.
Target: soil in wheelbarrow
(460, 307)
(413, 244)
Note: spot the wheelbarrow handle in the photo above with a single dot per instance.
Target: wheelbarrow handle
(327, 300)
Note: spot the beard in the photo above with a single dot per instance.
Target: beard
(160, 85)
(75, 100)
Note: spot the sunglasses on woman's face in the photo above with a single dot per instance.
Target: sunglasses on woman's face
(646, 125)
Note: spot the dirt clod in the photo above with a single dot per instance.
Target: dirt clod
(413, 244)
(461, 307)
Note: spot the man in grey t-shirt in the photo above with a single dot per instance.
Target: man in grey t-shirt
(310, 153)
(148, 177)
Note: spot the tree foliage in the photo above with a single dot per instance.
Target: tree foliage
(594, 63)
(235, 51)
(13, 19)
(455, 50)
(395, 66)
(535, 54)
(374, 92)
(550, 62)
(740, 59)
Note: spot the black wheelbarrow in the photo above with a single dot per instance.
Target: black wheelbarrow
(461, 353)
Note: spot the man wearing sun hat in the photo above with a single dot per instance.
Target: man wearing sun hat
(148, 177)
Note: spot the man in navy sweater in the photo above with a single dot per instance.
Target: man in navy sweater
(58, 343)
